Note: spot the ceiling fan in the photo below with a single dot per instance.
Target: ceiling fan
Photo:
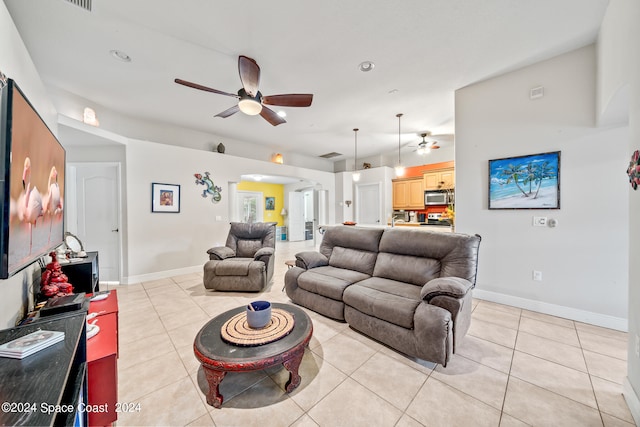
(250, 100)
(425, 146)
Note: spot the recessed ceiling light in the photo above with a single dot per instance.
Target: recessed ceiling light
(282, 113)
(366, 66)
(120, 55)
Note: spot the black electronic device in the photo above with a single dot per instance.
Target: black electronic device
(63, 304)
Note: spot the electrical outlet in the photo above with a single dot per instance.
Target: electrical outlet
(537, 275)
(218, 217)
(539, 221)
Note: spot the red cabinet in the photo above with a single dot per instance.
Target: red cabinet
(102, 360)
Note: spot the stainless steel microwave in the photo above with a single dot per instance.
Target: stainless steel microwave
(436, 197)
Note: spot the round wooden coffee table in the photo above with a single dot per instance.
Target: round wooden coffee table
(219, 357)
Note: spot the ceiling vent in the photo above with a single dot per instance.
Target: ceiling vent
(330, 155)
(85, 4)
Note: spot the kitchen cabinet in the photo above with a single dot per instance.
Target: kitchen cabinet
(439, 179)
(408, 193)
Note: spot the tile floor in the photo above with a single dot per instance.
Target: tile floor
(515, 368)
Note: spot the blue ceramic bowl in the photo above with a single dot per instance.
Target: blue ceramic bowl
(260, 316)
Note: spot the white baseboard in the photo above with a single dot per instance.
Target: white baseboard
(131, 280)
(633, 401)
(606, 321)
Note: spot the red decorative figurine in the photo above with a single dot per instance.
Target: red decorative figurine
(54, 281)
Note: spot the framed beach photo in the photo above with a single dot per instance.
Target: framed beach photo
(165, 198)
(525, 182)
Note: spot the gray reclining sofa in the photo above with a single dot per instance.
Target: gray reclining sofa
(407, 288)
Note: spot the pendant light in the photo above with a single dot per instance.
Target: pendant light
(399, 168)
(356, 175)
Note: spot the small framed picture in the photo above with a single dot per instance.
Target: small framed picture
(270, 203)
(165, 198)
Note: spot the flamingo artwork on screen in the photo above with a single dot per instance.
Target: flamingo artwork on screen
(33, 168)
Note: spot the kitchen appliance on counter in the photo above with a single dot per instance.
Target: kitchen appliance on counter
(400, 216)
(412, 216)
(438, 197)
(434, 218)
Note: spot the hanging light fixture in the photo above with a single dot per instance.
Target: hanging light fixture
(356, 174)
(399, 168)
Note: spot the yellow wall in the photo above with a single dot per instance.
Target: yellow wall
(268, 190)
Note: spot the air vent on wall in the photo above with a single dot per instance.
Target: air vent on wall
(330, 155)
(85, 4)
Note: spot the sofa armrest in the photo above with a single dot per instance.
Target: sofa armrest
(263, 254)
(454, 287)
(311, 259)
(220, 253)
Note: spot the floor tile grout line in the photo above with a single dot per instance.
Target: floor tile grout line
(506, 386)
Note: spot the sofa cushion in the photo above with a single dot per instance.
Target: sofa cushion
(236, 266)
(389, 300)
(329, 281)
(353, 259)
(357, 238)
(406, 268)
(457, 253)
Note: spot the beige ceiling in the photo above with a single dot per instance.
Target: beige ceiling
(423, 51)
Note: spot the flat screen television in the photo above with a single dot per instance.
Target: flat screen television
(32, 172)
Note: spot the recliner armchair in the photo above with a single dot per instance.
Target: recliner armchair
(246, 262)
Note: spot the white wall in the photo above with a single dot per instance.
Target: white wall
(162, 244)
(15, 63)
(584, 260)
(619, 73)
(71, 106)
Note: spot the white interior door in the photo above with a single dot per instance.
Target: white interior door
(296, 216)
(368, 210)
(97, 219)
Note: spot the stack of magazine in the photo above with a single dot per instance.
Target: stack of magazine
(24, 346)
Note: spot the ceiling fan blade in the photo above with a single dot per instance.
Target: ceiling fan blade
(271, 116)
(249, 74)
(207, 89)
(290, 100)
(228, 112)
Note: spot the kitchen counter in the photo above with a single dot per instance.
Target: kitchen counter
(422, 226)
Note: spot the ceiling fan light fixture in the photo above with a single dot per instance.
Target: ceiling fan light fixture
(250, 106)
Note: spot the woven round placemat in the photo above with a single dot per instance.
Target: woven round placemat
(237, 331)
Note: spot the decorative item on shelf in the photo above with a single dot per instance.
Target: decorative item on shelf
(74, 246)
(356, 175)
(211, 189)
(366, 165)
(277, 158)
(165, 198)
(399, 168)
(54, 283)
(634, 170)
(220, 148)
